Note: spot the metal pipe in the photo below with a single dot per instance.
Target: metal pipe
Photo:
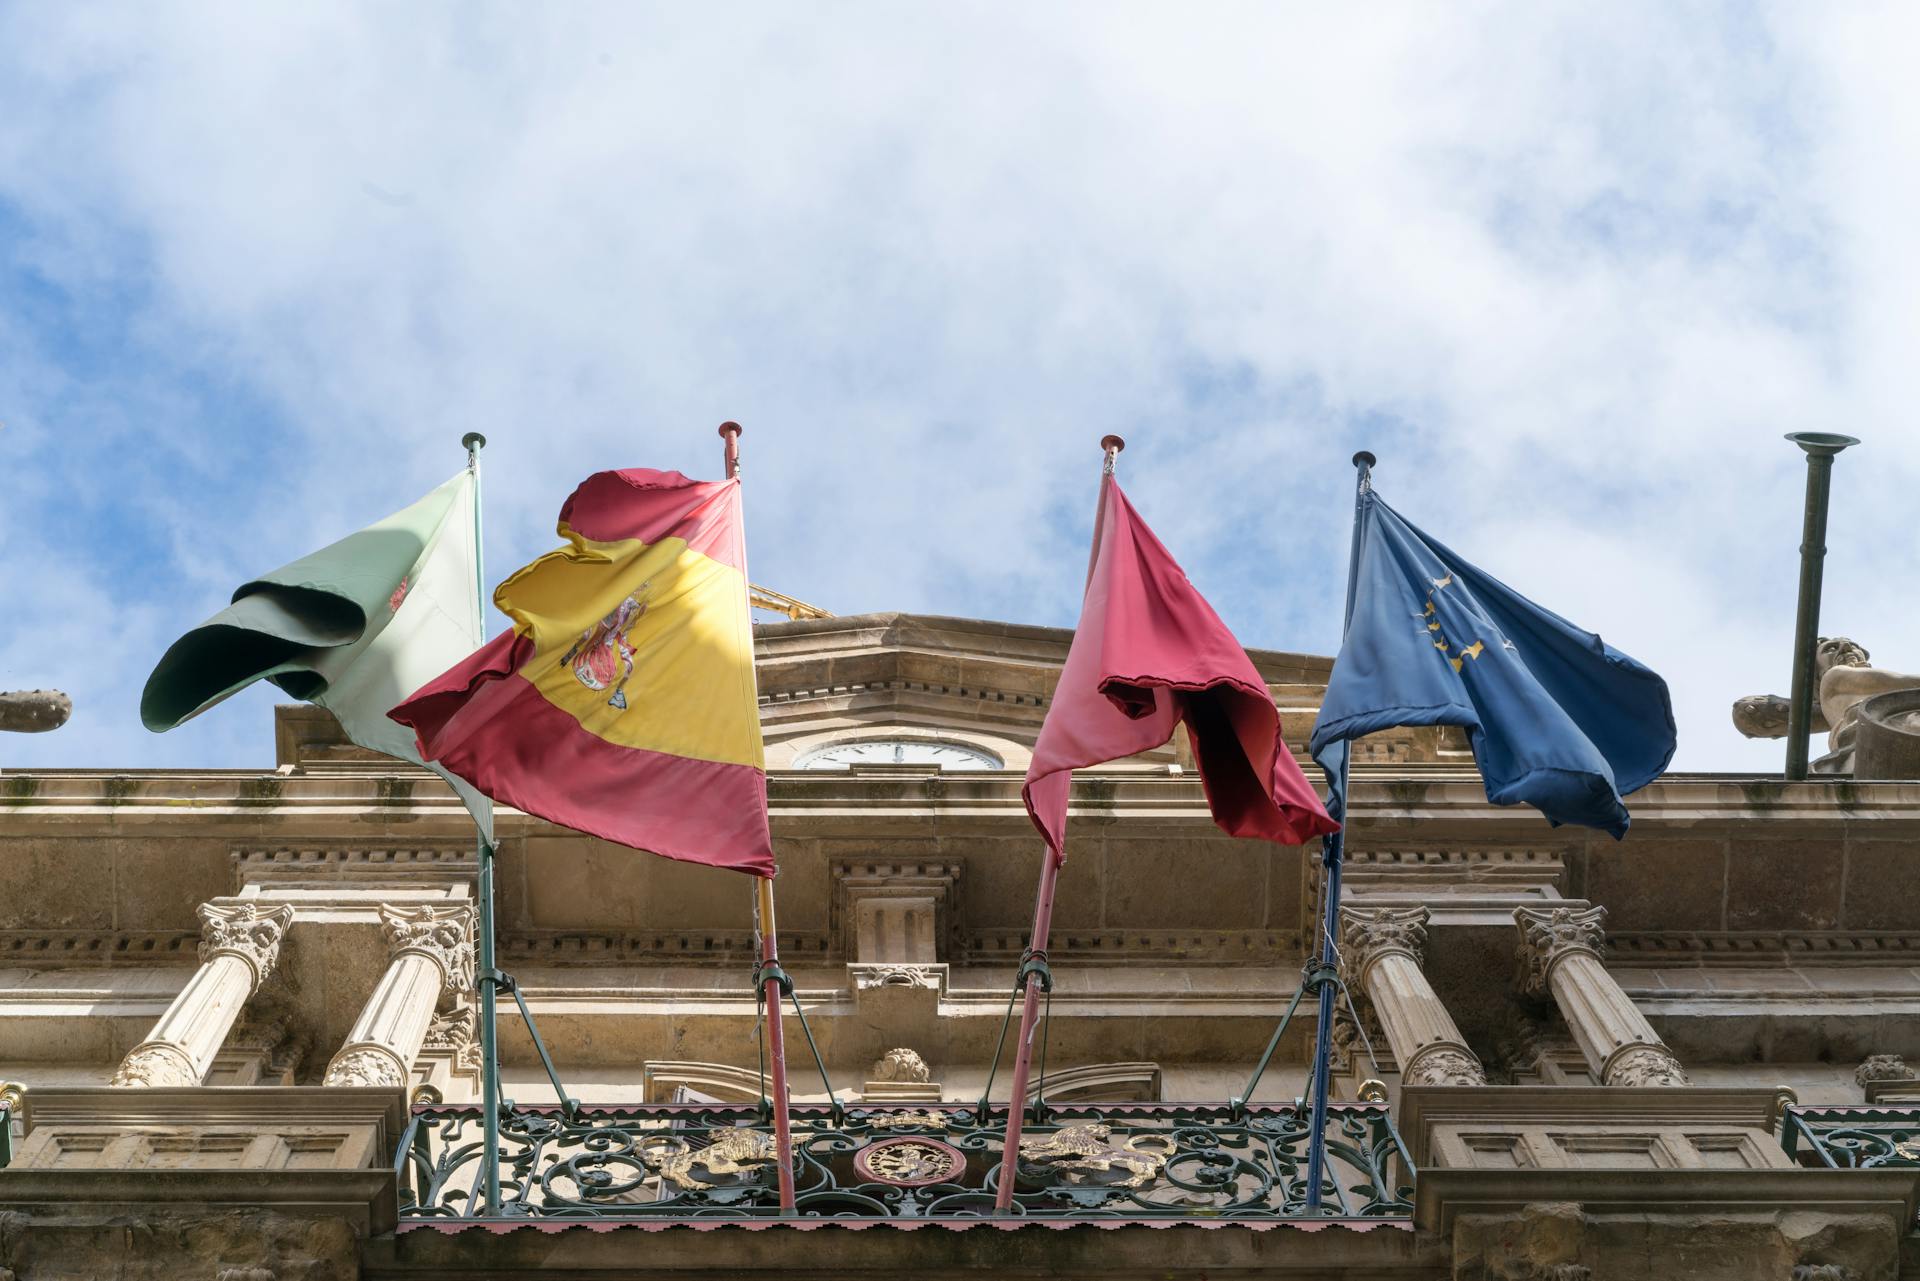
(483, 908)
(1820, 447)
(776, 1048)
(1110, 447)
(1332, 852)
(1023, 1049)
(769, 954)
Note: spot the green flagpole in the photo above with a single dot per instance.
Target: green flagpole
(483, 902)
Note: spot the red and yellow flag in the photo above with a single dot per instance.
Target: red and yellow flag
(623, 702)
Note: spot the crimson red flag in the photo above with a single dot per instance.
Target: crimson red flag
(1150, 653)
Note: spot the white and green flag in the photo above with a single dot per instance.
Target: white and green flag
(355, 628)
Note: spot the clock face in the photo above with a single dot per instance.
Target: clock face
(905, 751)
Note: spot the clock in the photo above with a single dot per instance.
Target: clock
(898, 751)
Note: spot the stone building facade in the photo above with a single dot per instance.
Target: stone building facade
(237, 998)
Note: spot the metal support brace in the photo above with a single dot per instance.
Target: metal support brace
(1033, 964)
(1313, 976)
(569, 1106)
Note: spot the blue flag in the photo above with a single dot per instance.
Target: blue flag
(1558, 719)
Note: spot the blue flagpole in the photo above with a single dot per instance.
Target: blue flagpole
(1332, 848)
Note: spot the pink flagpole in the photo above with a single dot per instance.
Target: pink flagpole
(1043, 916)
(770, 961)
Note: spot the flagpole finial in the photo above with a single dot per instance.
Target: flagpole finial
(1112, 445)
(473, 440)
(1365, 460)
(730, 432)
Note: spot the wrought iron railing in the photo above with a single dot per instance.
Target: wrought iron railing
(1113, 1162)
(1852, 1138)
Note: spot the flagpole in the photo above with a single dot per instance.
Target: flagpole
(1333, 849)
(769, 953)
(483, 901)
(1042, 917)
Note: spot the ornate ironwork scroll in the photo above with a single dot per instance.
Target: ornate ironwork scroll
(1144, 1161)
(1852, 1138)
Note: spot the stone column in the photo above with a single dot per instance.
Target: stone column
(1560, 954)
(1380, 957)
(432, 949)
(238, 947)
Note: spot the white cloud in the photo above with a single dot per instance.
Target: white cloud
(1570, 271)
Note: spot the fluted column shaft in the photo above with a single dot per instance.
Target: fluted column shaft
(432, 949)
(238, 947)
(1380, 952)
(1560, 954)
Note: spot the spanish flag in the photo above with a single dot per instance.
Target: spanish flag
(623, 702)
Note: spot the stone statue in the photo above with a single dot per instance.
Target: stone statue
(1844, 678)
(34, 711)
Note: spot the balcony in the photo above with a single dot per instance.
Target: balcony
(1869, 1137)
(1112, 1164)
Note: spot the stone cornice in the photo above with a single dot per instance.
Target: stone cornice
(1736, 949)
(1887, 1194)
(681, 947)
(92, 949)
(1133, 947)
(406, 808)
(339, 863)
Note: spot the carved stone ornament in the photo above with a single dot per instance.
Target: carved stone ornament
(444, 935)
(901, 1065)
(1883, 1067)
(34, 711)
(1366, 936)
(1549, 935)
(871, 976)
(267, 1028)
(457, 1030)
(366, 1065)
(910, 1162)
(246, 931)
(1644, 1065)
(1443, 1065)
(155, 1064)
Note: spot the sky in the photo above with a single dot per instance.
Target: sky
(1569, 270)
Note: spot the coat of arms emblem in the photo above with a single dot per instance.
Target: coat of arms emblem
(602, 658)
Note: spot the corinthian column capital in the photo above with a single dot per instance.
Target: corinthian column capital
(444, 935)
(1368, 935)
(245, 931)
(1549, 936)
